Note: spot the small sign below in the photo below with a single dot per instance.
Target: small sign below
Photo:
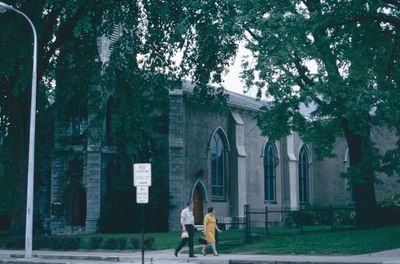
(142, 174)
(142, 194)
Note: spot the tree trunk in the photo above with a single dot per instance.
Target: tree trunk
(363, 186)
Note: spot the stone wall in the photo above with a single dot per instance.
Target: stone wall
(176, 157)
(201, 123)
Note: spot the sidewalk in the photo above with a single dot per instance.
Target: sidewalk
(167, 257)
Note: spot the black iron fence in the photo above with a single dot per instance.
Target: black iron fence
(265, 222)
(261, 223)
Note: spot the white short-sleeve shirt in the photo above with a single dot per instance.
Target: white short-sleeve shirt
(187, 216)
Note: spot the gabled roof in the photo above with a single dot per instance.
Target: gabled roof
(234, 100)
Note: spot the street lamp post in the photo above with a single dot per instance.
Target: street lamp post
(31, 160)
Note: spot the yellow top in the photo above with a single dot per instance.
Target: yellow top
(209, 226)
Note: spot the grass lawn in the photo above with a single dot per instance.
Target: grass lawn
(347, 242)
(325, 243)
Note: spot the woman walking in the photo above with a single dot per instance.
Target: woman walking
(210, 225)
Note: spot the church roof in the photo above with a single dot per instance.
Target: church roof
(234, 100)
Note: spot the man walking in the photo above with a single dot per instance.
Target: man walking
(187, 223)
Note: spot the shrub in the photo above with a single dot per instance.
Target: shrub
(323, 217)
(111, 243)
(345, 217)
(55, 243)
(71, 243)
(391, 200)
(40, 242)
(148, 242)
(95, 242)
(301, 218)
(15, 242)
(121, 243)
(308, 217)
(63, 242)
(135, 243)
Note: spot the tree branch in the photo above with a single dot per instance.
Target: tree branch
(369, 18)
(391, 58)
(302, 84)
(64, 33)
(252, 34)
(392, 2)
(51, 22)
(302, 72)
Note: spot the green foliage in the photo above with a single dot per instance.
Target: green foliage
(302, 218)
(344, 217)
(44, 242)
(352, 242)
(352, 86)
(347, 81)
(135, 243)
(11, 198)
(95, 242)
(111, 243)
(390, 200)
(117, 215)
(148, 242)
(122, 241)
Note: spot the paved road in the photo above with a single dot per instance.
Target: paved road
(167, 257)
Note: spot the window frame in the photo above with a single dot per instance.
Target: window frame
(220, 163)
(304, 176)
(270, 164)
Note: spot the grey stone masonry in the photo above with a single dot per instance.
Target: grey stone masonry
(93, 167)
(57, 183)
(238, 165)
(176, 157)
(93, 191)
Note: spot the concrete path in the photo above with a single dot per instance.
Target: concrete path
(167, 257)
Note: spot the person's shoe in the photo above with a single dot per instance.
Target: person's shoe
(176, 253)
(204, 254)
(193, 256)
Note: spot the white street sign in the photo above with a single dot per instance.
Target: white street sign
(142, 194)
(142, 174)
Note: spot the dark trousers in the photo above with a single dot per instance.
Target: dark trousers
(190, 230)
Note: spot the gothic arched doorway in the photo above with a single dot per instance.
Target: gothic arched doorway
(198, 202)
(75, 205)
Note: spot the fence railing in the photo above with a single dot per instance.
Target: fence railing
(264, 222)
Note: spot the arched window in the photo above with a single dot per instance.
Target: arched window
(304, 188)
(110, 135)
(218, 167)
(270, 173)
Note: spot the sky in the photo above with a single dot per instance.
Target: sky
(232, 80)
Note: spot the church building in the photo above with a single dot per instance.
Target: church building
(214, 157)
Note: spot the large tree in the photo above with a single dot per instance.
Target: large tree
(55, 27)
(68, 64)
(353, 87)
(338, 58)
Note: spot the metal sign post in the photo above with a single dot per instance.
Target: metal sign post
(142, 227)
(142, 182)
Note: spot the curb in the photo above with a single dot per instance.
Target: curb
(296, 262)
